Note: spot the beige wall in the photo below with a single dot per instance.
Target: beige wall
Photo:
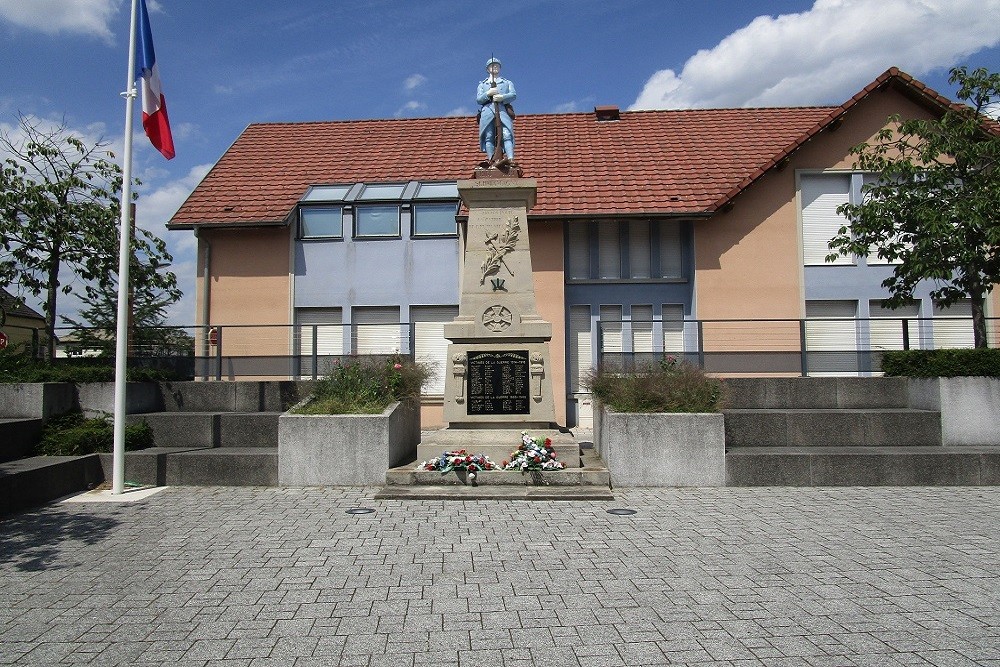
(18, 330)
(249, 283)
(749, 260)
(549, 280)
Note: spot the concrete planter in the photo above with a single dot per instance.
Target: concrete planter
(346, 450)
(969, 407)
(661, 449)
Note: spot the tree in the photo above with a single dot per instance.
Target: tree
(59, 210)
(934, 205)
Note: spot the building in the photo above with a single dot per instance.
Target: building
(654, 231)
(21, 325)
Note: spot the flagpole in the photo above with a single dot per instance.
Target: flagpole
(124, 254)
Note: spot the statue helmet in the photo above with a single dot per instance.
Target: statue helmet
(492, 61)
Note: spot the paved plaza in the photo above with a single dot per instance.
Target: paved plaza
(730, 576)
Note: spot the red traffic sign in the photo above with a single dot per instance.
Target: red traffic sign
(3, 341)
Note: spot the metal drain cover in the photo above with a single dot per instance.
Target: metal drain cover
(621, 511)
(360, 510)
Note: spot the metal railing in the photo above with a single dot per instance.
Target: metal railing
(757, 346)
(841, 346)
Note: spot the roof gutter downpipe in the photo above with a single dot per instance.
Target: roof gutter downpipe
(206, 294)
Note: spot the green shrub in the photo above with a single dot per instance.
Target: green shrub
(19, 366)
(668, 386)
(942, 363)
(73, 435)
(366, 385)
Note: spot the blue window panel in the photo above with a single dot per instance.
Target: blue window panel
(321, 222)
(434, 220)
(376, 221)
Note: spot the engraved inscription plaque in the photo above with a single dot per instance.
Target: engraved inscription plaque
(498, 383)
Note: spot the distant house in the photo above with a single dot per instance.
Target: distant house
(20, 324)
(654, 231)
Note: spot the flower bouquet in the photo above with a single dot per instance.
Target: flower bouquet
(459, 459)
(533, 454)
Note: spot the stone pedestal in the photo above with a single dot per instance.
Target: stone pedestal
(498, 380)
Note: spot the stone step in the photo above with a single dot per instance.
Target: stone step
(816, 393)
(863, 466)
(39, 479)
(212, 429)
(18, 437)
(884, 427)
(497, 444)
(249, 396)
(228, 466)
(409, 476)
(460, 492)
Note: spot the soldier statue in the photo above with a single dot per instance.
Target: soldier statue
(496, 117)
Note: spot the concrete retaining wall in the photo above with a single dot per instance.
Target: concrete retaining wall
(969, 407)
(36, 400)
(346, 450)
(662, 449)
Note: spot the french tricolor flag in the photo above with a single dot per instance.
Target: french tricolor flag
(154, 106)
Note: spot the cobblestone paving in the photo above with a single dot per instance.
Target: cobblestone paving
(245, 577)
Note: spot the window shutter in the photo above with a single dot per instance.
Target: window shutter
(579, 250)
(821, 195)
(886, 326)
(580, 350)
(638, 249)
(671, 258)
(611, 328)
(953, 325)
(836, 340)
(673, 327)
(430, 345)
(329, 331)
(609, 249)
(642, 328)
(376, 330)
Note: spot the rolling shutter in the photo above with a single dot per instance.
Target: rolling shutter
(953, 326)
(821, 195)
(638, 249)
(886, 326)
(832, 345)
(578, 260)
(673, 327)
(611, 328)
(329, 331)
(642, 328)
(609, 249)
(430, 345)
(671, 258)
(376, 330)
(580, 350)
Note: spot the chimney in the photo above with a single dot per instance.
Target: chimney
(607, 113)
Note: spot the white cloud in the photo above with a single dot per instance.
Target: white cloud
(825, 54)
(87, 17)
(413, 82)
(411, 107)
(461, 111)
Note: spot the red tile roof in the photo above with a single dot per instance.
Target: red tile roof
(649, 162)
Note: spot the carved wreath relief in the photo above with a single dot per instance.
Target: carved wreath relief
(497, 318)
(497, 246)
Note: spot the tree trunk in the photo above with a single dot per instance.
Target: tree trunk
(50, 304)
(979, 320)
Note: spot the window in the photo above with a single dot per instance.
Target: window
(374, 221)
(376, 330)
(611, 328)
(886, 325)
(638, 249)
(434, 220)
(580, 348)
(821, 194)
(578, 260)
(671, 257)
(831, 337)
(673, 327)
(642, 328)
(609, 265)
(430, 345)
(317, 222)
(953, 325)
(654, 250)
(319, 329)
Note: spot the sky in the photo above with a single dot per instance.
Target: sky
(227, 63)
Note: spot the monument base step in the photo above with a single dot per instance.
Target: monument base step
(496, 443)
(460, 492)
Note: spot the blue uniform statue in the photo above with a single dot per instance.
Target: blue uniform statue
(496, 93)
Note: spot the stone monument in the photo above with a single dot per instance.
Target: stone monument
(498, 379)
